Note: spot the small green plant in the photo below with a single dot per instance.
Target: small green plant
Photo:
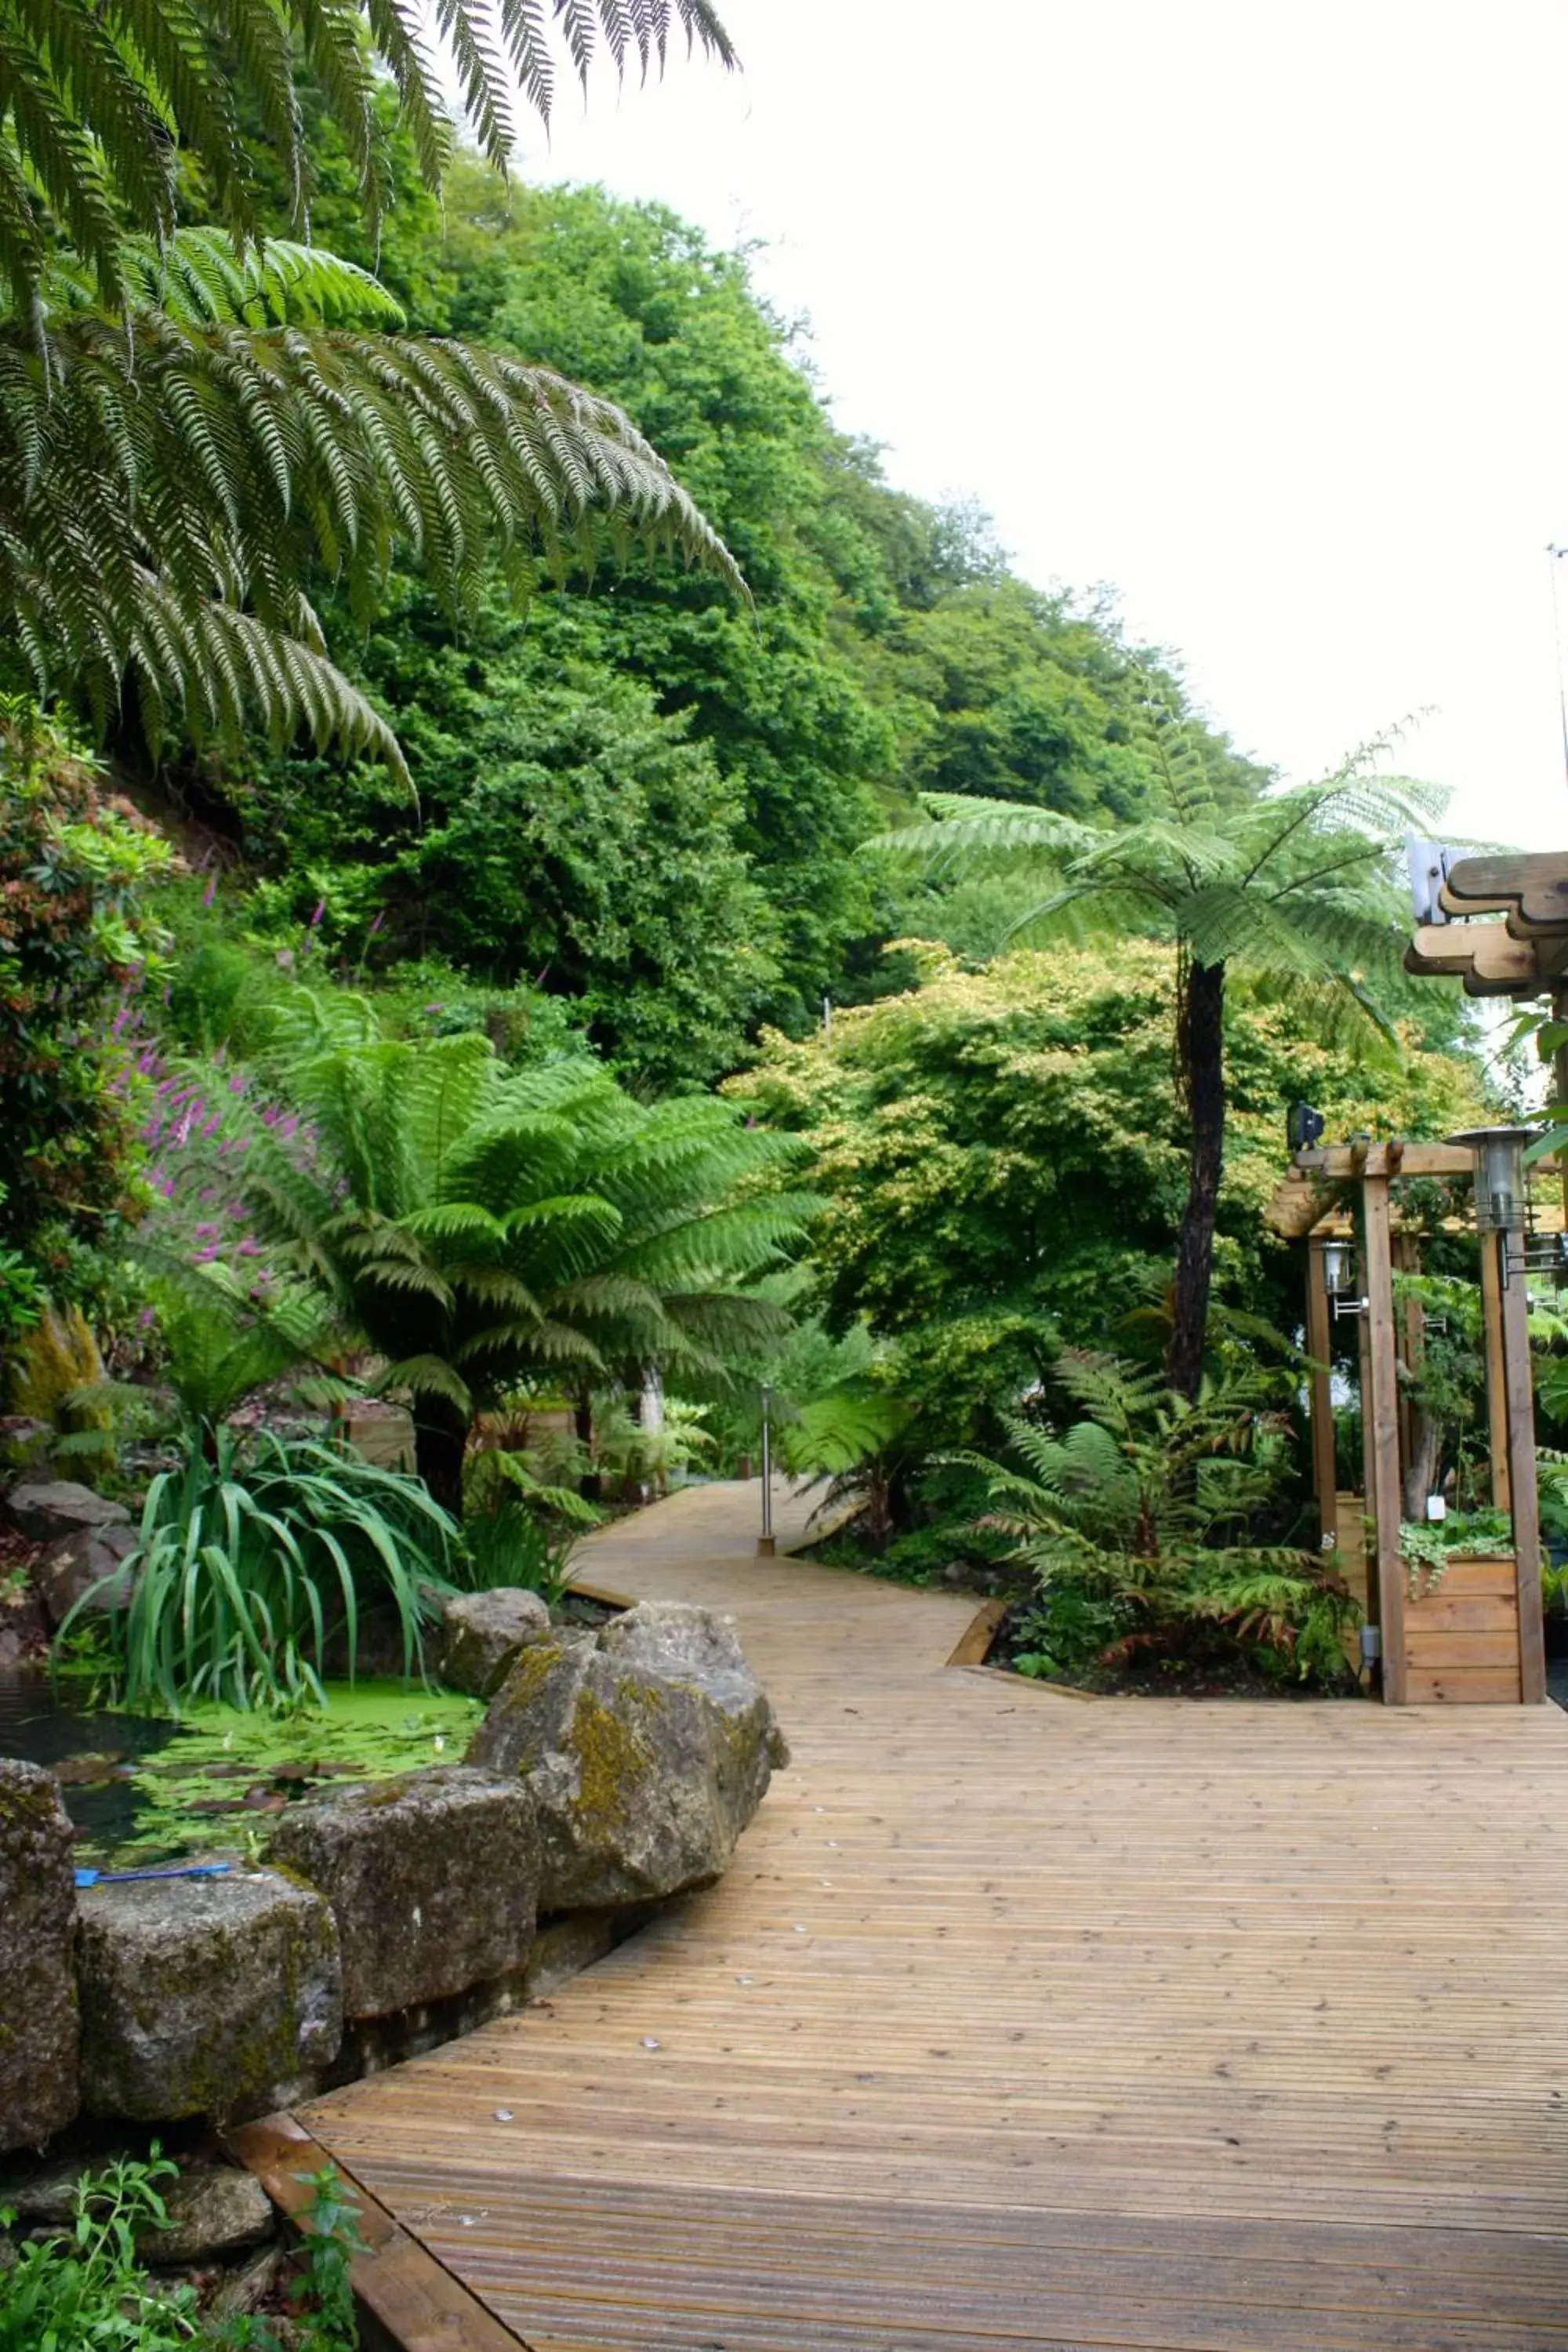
(323, 2292)
(512, 1545)
(85, 2290)
(1428, 1545)
(256, 1552)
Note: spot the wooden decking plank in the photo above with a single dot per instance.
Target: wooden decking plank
(1164, 2026)
(408, 2300)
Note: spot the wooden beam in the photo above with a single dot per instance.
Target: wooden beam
(1536, 882)
(1497, 1385)
(1381, 1435)
(406, 2300)
(1295, 1206)
(1320, 1400)
(1485, 956)
(1522, 1480)
(1342, 1162)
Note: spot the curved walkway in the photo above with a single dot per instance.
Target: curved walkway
(1026, 2020)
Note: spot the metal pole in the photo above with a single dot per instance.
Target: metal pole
(765, 1542)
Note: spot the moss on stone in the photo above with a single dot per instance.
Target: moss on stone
(611, 1754)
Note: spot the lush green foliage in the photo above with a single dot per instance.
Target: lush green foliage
(86, 2290)
(565, 833)
(479, 1227)
(889, 648)
(76, 941)
(176, 483)
(1136, 1525)
(1294, 885)
(110, 113)
(1004, 1158)
(256, 1556)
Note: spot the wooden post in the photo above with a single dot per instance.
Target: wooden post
(1497, 1383)
(1383, 1439)
(1515, 1338)
(1320, 1399)
(1368, 1468)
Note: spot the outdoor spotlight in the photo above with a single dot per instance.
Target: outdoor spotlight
(1339, 1269)
(1500, 1175)
(1303, 1126)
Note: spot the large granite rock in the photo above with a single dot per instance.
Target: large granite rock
(433, 1881)
(648, 1747)
(45, 1508)
(39, 2074)
(204, 1996)
(87, 1566)
(482, 1633)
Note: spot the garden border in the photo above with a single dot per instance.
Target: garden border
(404, 2296)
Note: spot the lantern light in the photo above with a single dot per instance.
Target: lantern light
(1339, 1269)
(1501, 1205)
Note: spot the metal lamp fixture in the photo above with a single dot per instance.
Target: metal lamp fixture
(1501, 1203)
(1339, 1269)
(766, 1541)
(1339, 1279)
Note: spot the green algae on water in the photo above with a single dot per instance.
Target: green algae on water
(224, 1773)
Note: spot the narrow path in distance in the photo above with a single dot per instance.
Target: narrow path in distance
(1021, 2020)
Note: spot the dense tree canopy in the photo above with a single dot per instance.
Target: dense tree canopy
(1006, 1163)
(889, 649)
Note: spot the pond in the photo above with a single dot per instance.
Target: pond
(145, 1788)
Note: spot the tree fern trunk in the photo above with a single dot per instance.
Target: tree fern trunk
(1201, 1053)
(440, 1443)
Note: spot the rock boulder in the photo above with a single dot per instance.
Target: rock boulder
(216, 2212)
(46, 1508)
(87, 1566)
(433, 1881)
(648, 1747)
(204, 1996)
(482, 1633)
(38, 2031)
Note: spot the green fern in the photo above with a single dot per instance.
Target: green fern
(105, 105)
(168, 482)
(479, 1228)
(1143, 1511)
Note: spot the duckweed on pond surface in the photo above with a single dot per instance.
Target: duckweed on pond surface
(211, 1781)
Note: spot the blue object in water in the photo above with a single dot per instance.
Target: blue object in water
(178, 1869)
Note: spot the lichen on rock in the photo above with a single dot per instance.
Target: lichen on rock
(648, 1748)
(214, 1997)
(483, 1632)
(39, 2026)
(432, 1878)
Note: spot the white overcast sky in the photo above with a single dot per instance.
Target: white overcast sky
(1253, 312)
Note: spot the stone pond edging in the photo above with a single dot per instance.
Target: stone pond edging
(615, 1769)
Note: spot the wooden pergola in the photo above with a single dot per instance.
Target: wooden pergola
(1482, 1637)
(1500, 925)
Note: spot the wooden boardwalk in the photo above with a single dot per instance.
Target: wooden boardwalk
(1025, 2021)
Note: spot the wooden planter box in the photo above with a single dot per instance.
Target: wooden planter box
(1461, 1641)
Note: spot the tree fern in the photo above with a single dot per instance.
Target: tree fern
(477, 1228)
(1294, 884)
(106, 104)
(169, 484)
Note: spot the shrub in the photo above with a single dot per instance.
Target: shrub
(1137, 1525)
(258, 1553)
(75, 940)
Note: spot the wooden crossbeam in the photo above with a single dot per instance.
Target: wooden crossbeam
(1485, 956)
(1339, 1163)
(1533, 886)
